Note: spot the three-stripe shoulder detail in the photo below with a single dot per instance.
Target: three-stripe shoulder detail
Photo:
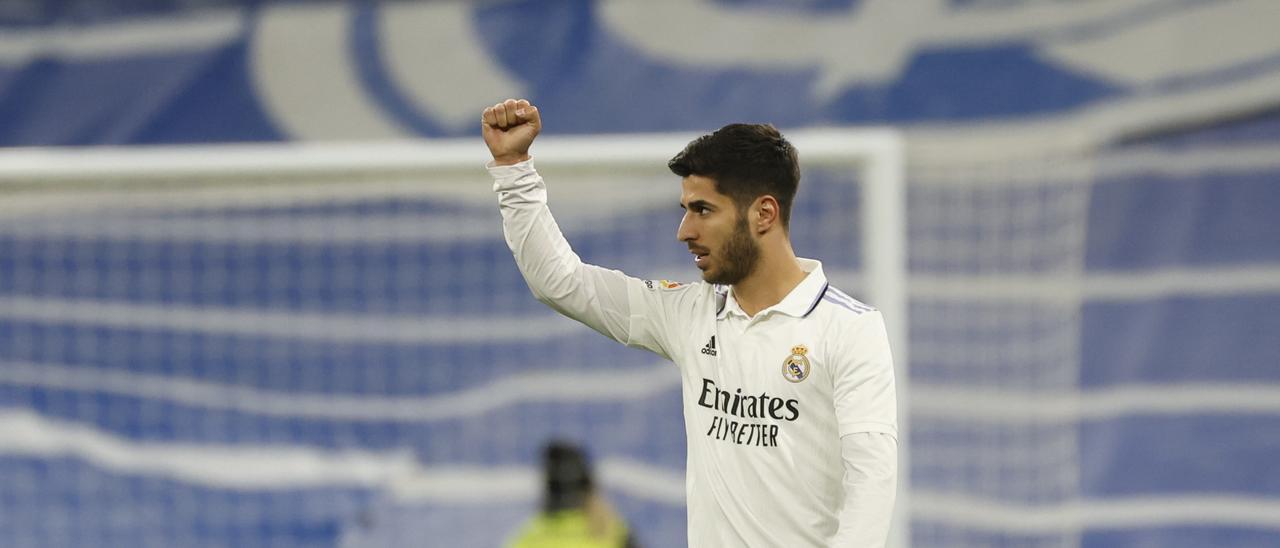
(841, 299)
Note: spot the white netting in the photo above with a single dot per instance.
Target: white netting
(997, 256)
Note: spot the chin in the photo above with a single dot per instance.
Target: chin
(714, 278)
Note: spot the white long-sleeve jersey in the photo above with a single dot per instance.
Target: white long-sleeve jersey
(790, 414)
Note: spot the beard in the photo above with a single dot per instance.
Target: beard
(738, 257)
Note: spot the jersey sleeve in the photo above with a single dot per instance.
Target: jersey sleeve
(629, 310)
(864, 387)
(870, 483)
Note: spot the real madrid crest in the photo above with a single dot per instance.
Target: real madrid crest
(796, 367)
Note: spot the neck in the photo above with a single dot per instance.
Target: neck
(773, 278)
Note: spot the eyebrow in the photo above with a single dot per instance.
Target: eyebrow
(698, 203)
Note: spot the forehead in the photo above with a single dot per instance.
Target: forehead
(698, 187)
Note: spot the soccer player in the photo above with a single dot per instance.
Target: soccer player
(789, 403)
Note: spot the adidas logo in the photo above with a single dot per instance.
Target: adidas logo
(710, 348)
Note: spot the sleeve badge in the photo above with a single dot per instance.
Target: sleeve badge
(662, 284)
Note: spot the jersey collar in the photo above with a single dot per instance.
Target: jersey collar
(798, 303)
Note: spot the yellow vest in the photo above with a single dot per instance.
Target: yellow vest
(567, 529)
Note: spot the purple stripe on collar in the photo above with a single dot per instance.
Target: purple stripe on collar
(816, 299)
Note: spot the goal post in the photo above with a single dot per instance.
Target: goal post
(344, 297)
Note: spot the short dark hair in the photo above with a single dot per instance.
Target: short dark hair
(746, 161)
(567, 475)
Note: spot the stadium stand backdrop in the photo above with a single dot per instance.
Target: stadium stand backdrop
(1167, 380)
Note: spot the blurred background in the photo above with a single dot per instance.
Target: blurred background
(243, 302)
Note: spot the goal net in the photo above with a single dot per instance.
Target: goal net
(996, 260)
(305, 345)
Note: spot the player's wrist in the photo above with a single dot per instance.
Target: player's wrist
(510, 159)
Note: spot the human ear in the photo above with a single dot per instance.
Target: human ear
(766, 213)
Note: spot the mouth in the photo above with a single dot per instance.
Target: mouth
(700, 258)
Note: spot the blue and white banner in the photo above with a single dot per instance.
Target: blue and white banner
(360, 70)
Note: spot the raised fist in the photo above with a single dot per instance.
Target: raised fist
(509, 128)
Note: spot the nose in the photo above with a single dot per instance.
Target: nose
(685, 232)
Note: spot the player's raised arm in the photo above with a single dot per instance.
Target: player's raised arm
(600, 298)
